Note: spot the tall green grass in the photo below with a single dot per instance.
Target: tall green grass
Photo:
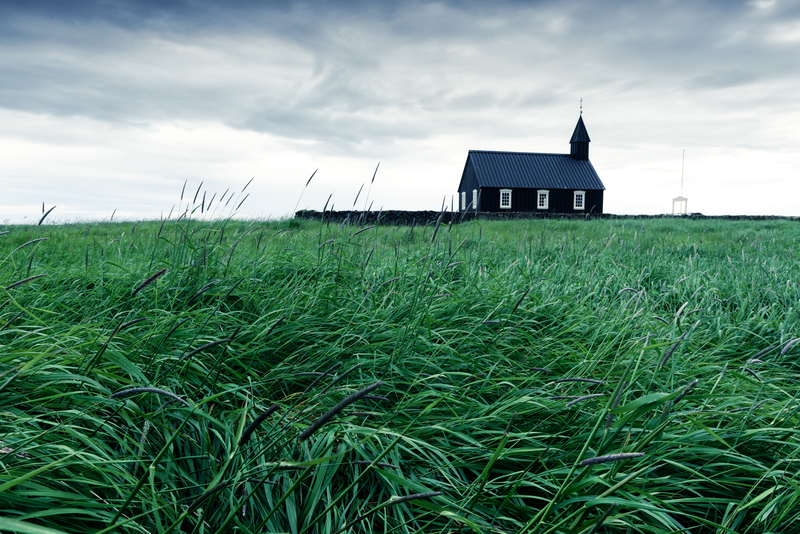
(478, 333)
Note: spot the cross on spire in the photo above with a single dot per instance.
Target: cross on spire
(581, 106)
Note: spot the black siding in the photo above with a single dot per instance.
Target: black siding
(469, 182)
(560, 201)
(580, 151)
(594, 202)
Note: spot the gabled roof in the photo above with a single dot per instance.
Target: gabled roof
(533, 170)
(580, 135)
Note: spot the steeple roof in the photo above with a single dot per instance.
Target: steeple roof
(580, 135)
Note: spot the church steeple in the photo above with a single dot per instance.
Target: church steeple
(580, 141)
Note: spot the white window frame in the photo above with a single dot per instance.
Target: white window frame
(463, 201)
(546, 193)
(475, 199)
(505, 206)
(575, 200)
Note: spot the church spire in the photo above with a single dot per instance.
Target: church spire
(580, 141)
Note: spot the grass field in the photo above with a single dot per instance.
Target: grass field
(508, 377)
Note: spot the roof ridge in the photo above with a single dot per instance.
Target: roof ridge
(524, 153)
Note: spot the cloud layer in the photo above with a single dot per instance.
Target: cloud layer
(111, 103)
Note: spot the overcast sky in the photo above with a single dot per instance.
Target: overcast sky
(115, 104)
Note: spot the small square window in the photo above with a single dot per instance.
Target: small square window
(542, 199)
(505, 199)
(580, 197)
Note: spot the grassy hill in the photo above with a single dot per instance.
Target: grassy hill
(509, 377)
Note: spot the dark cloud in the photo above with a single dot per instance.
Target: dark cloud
(140, 61)
(722, 80)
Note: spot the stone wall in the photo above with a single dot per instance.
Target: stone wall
(407, 218)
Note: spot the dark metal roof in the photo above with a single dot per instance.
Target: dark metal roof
(532, 170)
(580, 135)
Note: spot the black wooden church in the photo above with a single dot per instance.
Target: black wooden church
(533, 182)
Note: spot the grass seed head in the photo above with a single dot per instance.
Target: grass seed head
(257, 421)
(149, 281)
(672, 349)
(611, 458)
(207, 346)
(789, 345)
(324, 418)
(686, 390)
(583, 398)
(25, 281)
(752, 373)
(610, 417)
